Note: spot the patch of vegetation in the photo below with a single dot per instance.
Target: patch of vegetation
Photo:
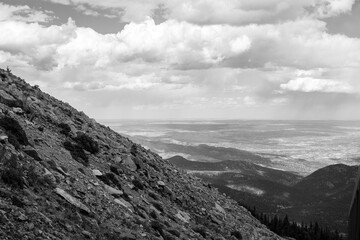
(13, 173)
(13, 129)
(64, 129)
(133, 150)
(285, 228)
(87, 143)
(174, 232)
(138, 184)
(157, 226)
(13, 140)
(114, 170)
(77, 152)
(237, 234)
(158, 206)
(2, 75)
(110, 179)
(153, 195)
(200, 231)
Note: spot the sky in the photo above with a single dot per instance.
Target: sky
(189, 59)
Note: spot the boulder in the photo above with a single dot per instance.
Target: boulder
(129, 163)
(113, 191)
(97, 173)
(8, 100)
(125, 204)
(18, 110)
(219, 208)
(72, 200)
(183, 216)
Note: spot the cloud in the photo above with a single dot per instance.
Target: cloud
(308, 84)
(23, 13)
(171, 44)
(212, 11)
(192, 64)
(330, 8)
(34, 43)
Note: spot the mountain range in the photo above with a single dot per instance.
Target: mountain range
(323, 196)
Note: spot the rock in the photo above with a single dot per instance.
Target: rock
(3, 218)
(18, 110)
(22, 217)
(129, 163)
(86, 234)
(96, 173)
(219, 208)
(8, 100)
(72, 200)
(32, 153)
(124, 203)
(113, 191)
(3, 138)
(49, 178)
(183, 216)
(161, 183)
(215, 220)
(127, 236)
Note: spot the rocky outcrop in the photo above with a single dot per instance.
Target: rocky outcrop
(76, 179)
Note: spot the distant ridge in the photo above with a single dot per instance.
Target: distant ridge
(323, 196)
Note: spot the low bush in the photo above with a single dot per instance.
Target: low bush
(237, 234)
(87, 143)
(138, 184)
(77, 153)
(13, 140)
(14, 131)
(64, 129)
(13, 173)
(158, 206)
(201, 231)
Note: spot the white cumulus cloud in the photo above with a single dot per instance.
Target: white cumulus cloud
(23, 13)
(308, 84)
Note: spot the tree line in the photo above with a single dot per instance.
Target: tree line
(286, 228)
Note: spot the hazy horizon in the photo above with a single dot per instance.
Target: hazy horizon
(301, 146)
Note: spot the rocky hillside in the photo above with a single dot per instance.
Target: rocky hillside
(64, 176)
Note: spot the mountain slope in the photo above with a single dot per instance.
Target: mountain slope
(323, 196)
(64, 176)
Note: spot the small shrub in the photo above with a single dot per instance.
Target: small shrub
(64, 129)
(87, 143)
(201, 231)
(153, 214)
(110, 179)
(153, 195)
(2, 75)
(158, 206)
(133, 150)
(237, 234)
(138, 184)
(157, 226)
(114, 170)
(174, 232)
(13, 173)
(77, 152)
(13, 140)
(12, 127)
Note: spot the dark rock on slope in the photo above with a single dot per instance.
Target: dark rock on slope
(64, 176)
